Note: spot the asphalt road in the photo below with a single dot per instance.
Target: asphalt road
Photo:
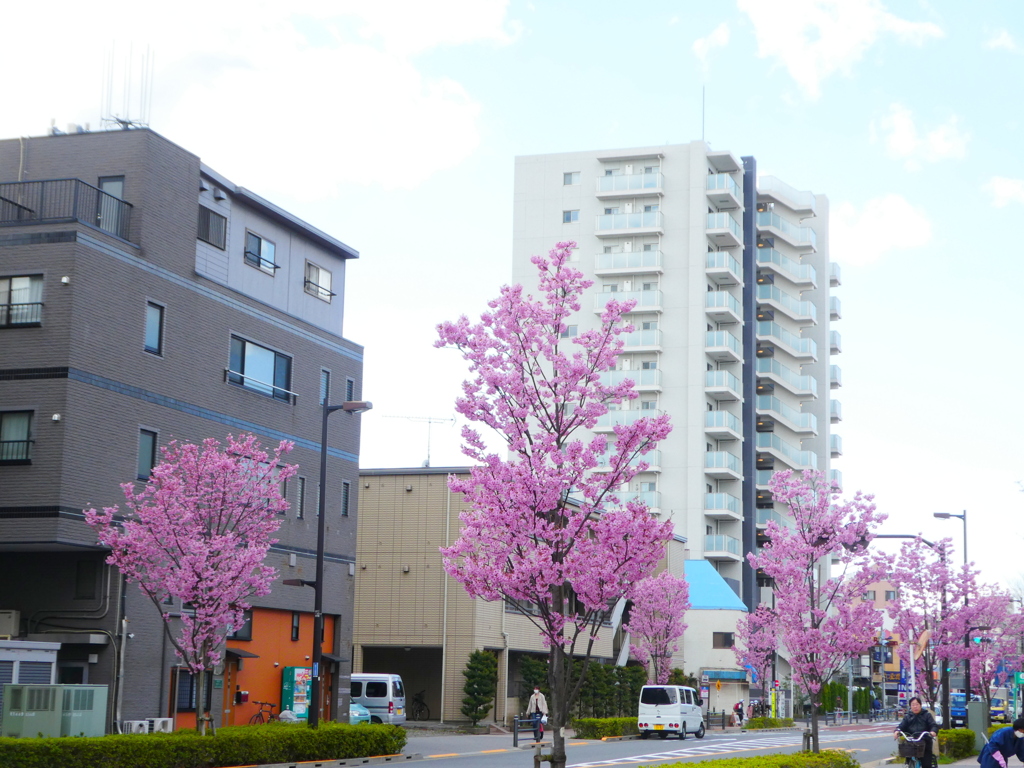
(866, 742)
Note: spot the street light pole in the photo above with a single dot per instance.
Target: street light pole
(967, 637)
(349, 406)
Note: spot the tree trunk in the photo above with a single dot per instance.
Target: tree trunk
(815, 703)
(559, 710)
(200, 704)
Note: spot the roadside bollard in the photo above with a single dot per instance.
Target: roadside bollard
(807, 740)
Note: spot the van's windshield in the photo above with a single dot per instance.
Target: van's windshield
(653, 695)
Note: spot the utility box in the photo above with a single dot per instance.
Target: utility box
(54, 710)
(977, 721)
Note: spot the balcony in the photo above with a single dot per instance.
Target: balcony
(606, 422)
(16, 451)
(794, 199)
(722, 268)
(762, 477)
(722, 386)
(769, 442)
(722, 425)
(787, 341)
(618, 224)
(801, 312)
(764, 516)
(722, 465)
(651, 499)
(724, 193)
(723, 307)
(835, 342)
(628, 262)
(629, 185)
(722, 506)
(722, 547)
(60, 200)
(794, 420)
(835, 445)
(835, 376)
(835, 308)
(795, 272)
(835, 411)
(646, 340)
(724, 231)
(723, 346)
(776, 372)
(646, 301)
(770, 223)
(644, 380)
(651, 458)
(834, 275)
(835, 477)
(25, 314)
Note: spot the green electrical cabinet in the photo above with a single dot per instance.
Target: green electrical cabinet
(54, 710)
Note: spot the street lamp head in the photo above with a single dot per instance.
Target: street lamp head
(356, 406)
(941, 515)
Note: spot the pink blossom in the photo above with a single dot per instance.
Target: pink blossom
(656, 622)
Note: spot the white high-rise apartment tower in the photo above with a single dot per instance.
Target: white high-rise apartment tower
(731, 277)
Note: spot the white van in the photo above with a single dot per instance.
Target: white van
(383, 695)
(666, 709)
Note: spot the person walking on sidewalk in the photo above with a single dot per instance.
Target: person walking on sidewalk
(537, 709)
(1002, 745)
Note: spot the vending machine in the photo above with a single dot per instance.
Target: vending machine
(295, 690)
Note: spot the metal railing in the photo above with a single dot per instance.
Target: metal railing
(28, 313)
(15, 451)
(256, 385)
(54, 200)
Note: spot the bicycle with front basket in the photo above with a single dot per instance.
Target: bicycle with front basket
(912, 748)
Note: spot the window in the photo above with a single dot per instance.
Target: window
(20, 301)
(86, 572)
(648, 487)
(350, 390)
(154, 328)
(609, 211)
(657, 695)
(147, 454)
(650, 246)
(300, 502)
(16, 437)
(259, 253)
(650, 169)
(649, 365)
(325, 386)
(650, 286)
(346, 489)
(650, 208)
(648, 405)
(568, 217)
(244, 632)
(213, 228)
(376, 690)
(318, 282)
(570, 331)
(721, 639)
(109, 210)
(569, 179)
(260, 369)
(186, 690)
(296, 616)
(890, 594)
(649, 325)
(610, 288)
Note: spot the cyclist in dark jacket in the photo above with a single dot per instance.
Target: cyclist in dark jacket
(920, 720)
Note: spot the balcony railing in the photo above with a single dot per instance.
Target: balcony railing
(723, 502)
(795, 381)
(795, 234)
(649, 337)
(763, 476)
(765, 516)
(835, 477)
(835, 275)
(629, 260)
(722, 460)
(722, 543)
(790, 196)
(725, 340)
(790, 304)
(651, 458)
(724, 182)
(650, 498)
(641, 220)
(625, 182)
(835, 342)
(802, 421)
(835, 308)
(13, 315)
(649, 300)
(835, 444)
(795, 271)
(835, 376)
(835, 411)
(725, 221)
(722, 380)
(623, 418)
(723, 267)
(791, 454)
(16, 451)
(645, 377)
(723, 300)
(722, 420)
(56, 200)
(799, 346)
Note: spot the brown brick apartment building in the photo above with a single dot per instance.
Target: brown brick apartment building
(145, 298)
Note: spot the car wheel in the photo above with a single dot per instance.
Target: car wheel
(700, 732)
(682, 733)
(376, 719)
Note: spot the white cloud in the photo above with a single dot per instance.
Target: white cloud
(1005, 191)
(1001, 39)
(883, 224)
(904, 142)
(704, 45)
(813, 39)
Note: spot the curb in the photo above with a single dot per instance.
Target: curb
(376, 760)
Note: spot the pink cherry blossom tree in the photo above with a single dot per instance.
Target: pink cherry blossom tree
(549, 531)
(199, 532)
(757, 643)
(819, 620)
(656, 622)
(995, 636)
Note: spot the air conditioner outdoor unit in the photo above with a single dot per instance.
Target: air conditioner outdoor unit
(10, 623)
(160, 724)
(134, 726)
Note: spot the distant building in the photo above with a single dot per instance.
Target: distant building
(146, 298)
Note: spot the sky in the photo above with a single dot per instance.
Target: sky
(394, 126)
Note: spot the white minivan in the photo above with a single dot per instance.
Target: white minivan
(666, 709)
(382, 694)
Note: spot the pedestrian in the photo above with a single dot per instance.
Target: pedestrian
(538, 710)
(1002, 744)
(737, 711)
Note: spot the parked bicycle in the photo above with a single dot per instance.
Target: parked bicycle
(265, 714)
(912, 748)
(418, 709)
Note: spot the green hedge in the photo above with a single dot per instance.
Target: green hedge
(998, 727)
(756, 723)
(957, 743)
(599, 727)
(827, 758)
(239, 745)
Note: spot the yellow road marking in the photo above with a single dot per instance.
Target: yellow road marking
(450, 754)
(492, 751)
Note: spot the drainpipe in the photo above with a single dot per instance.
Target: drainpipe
(120, 670)
(444, 619)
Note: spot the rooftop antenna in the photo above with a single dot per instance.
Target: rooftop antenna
(136, 97)
(703, 88)
(431, 421)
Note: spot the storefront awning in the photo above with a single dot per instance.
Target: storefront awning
(239, 653)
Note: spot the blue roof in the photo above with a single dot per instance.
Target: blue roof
(708, 590)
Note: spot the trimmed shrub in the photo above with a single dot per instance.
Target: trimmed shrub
(756, 723)
(236, 745)
(481, 675)
(827, 758)
(957, 743)
(997, 727)
(599, 727)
